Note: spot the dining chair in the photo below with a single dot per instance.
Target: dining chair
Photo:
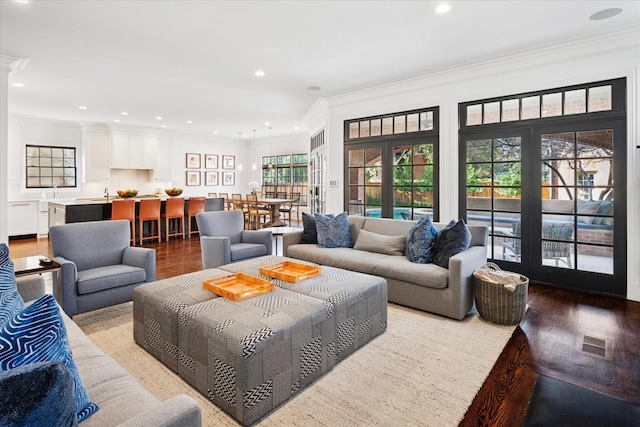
(288, 208)
(281, 195)
(149, 211)
(226, 202)
(238, 204)
(195, 206)
(174, 213)
(256, 216)
(125, 209)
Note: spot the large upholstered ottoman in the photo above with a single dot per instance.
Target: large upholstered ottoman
(250, 356)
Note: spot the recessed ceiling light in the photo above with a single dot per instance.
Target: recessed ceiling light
(259, 73)
(189, 122)
(158, 118)
(18, 85)
(215, 132)
(443, 8)
(266, 123)
(116, 120)
(605, 14)
(82, 107)
(22, 1)
(163, 126)
(124, 113)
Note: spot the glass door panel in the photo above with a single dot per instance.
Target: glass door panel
(365, 181)
(413, 181)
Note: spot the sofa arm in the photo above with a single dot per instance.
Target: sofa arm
(30, 287)
(179, 411)
(461, 268)
(289, 239)
(262, 237)
(143, 258)
(216, 251)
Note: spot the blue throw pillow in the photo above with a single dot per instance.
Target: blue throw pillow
(421, 241)
(604, 209)
(452, 240)
(333, 232)
(37, 394)
(10, 300)
(38, 334)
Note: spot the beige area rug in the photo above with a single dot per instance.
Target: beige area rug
(424, 370)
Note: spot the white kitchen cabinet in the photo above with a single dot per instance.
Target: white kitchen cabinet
(23, 217)
(97, 160)
(133, 151)
(43, 218)
(162, 171)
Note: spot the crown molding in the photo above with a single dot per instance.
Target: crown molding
(12, 62)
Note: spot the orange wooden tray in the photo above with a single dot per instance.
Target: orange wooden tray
(238, 286)
(290, 271)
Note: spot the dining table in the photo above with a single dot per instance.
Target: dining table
(274, 206)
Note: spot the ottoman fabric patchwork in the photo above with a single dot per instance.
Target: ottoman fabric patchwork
(247, 355)
(155, 312)
(250, 356)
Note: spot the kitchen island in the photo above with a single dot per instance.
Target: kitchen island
(96, 209)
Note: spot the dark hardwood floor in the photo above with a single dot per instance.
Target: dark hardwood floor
(549, 341)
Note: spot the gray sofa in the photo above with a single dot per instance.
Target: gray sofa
(99, 268)
(123, 401)
(427, 287)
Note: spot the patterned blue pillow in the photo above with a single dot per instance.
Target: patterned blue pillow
(421, 240)
(38, 334)
(10, 300)
(452, 240)
(333, 232)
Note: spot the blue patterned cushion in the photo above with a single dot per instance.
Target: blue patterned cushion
(333, 232)
(38, 334)
(10, 300)
(452, 240)
(421, 241)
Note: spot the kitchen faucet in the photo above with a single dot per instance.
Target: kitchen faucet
(55, 191)
(106, 193)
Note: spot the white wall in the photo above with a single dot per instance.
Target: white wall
(613, 56)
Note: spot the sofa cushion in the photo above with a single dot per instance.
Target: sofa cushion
(604, 209)
(374, 242)
(421, 241)
(333, 232)
(10, 300)
(37, 394)
(38, 334)
(391, 267)
(587, 207)
(112, 276)
(309, 232)
(452, 240)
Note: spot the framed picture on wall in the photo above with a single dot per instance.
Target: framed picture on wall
(211, 178)
(193, 161)
(228, 162)
(228, 178)
(193, 177)
(211, 161)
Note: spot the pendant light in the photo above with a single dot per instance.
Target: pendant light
(270, 165)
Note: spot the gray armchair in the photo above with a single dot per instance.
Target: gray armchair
(99, 268)
(224, 240)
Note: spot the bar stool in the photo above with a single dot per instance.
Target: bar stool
(174, 210)
(125, 209)
(149, 211)
(196, 205)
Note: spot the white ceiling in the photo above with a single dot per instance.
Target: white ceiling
(195, 60)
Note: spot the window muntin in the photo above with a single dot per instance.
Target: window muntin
(392, 124)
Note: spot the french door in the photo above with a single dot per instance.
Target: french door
(548, 197)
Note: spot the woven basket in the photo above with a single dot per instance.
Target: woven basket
(497, 304)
